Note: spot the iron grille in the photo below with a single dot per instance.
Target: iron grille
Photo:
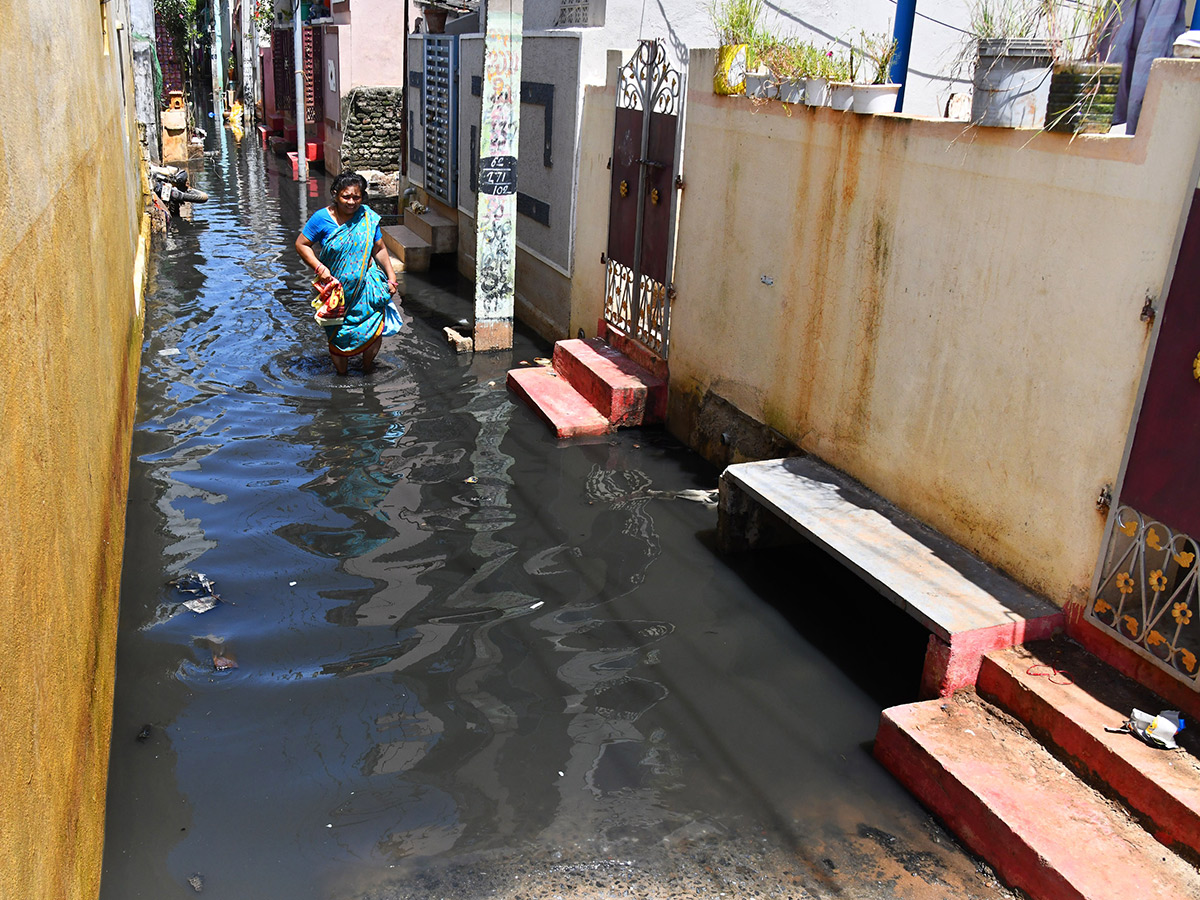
(573, 12)
(281, 58)
(440, 94)
(314, 97)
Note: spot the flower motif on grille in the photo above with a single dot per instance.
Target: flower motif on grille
(1149, 587)
(649, 82)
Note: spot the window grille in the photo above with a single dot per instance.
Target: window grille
(441, 114)
(573, 13)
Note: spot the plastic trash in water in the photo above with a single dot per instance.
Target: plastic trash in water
(1157, 731)
(199, 588)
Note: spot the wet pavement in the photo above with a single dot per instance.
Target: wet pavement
(452, 657)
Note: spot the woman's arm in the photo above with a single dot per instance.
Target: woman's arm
(385, 262)
(305, 248)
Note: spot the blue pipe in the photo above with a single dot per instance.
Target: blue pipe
(1196, 17)
(906, 14)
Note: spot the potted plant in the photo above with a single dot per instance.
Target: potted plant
(736, 23)
(760, 84)
(789, 63)
(1012, 62)
(1083, 86)
(818, 73)
(841, 81)
(871, 63)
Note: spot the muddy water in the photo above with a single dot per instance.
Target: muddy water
(467, 661)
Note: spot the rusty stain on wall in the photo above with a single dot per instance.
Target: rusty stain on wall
(932, 328)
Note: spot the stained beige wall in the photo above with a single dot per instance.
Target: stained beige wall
(952, 315)
(70, 281)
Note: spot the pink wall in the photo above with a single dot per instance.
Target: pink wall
(378, 57)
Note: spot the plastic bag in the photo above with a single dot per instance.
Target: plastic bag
(1157, 731)
(392, 323)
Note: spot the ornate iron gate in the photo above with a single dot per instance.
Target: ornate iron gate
(641, 219)
(1148, 593)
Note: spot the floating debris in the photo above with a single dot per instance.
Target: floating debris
(223, 662)
(203, 597)
(197, 882)
(170, 351)
(144, 734)
(541, 360)
(471, 480)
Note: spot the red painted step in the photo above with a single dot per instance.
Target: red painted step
(1069, 713)
(555, 400)
(1042, 829)
(623, 392)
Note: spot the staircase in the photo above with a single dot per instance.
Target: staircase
(1022, 770)
(420, 236)
(591, 388)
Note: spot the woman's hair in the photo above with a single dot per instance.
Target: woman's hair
(345, 180)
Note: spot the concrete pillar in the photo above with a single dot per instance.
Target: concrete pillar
(496, 213)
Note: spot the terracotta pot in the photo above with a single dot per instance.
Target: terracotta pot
(435, 20)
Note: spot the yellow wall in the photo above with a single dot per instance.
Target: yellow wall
(953, 316)
(71, 260)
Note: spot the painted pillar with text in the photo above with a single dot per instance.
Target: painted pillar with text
(496, 209)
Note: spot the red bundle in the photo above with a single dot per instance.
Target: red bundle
(330, 304)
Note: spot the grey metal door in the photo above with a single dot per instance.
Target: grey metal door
(647, 144)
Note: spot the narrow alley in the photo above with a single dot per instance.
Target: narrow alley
(452, 657)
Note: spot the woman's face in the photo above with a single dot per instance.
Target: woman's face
(348, 200)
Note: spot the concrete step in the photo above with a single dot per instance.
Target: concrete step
(439, 232)
(623, 392)
(555, 400)
(1012, 802)
(1067, 697)
(411, 249)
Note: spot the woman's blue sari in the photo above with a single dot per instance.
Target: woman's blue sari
(347, 252)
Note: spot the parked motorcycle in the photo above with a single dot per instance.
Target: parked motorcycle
(170, 186)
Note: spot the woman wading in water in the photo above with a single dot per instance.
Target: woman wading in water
(349, 238)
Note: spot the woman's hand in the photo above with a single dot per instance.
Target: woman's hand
(392, 285)
(323, 273)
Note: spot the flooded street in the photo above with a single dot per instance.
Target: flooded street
(454, 658)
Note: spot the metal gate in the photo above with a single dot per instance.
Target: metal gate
(1148, 592)
(439, 100)
(647, 143)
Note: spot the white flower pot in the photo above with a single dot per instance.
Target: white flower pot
(816, 91)
(875, 98)
(791, 90)
(761, 86)
(841, 95)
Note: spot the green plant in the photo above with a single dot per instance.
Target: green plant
(760, 46)
(262, 14)
(871, 58)
(1078, 27)
(179, 18)
(836, 66)
(789, 58)
(736, 21)
(1008, 18)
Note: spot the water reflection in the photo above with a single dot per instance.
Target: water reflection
(443, 635)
